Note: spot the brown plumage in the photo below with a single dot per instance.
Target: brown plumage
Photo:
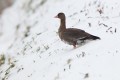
(72, 36)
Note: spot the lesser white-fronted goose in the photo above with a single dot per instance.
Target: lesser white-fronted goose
(72, 36)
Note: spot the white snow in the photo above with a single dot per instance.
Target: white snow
(29, 40)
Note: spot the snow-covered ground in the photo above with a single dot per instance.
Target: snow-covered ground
(30, 48)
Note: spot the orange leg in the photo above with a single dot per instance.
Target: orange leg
(74, 45)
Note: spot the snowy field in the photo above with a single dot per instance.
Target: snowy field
(30, 48)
